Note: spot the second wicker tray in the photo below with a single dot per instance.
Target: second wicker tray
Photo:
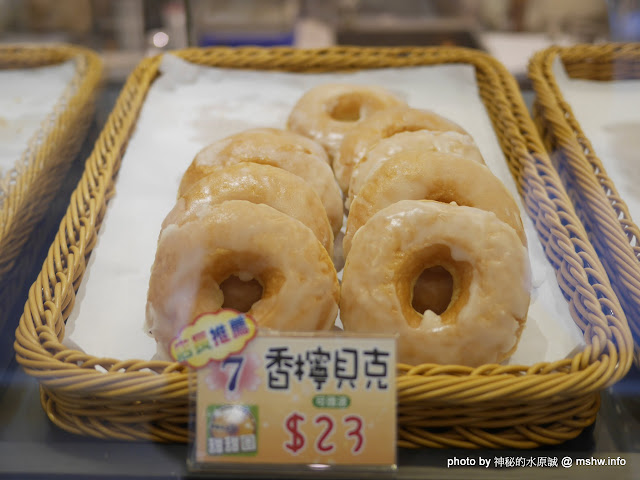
(27, 189)
(598, 203)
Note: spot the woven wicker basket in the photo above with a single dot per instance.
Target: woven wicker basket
(597, 202)
(26, 190)
(492, 406)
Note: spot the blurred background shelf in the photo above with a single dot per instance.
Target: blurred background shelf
(124, 31)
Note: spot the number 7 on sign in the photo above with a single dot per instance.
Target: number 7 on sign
(233, 379)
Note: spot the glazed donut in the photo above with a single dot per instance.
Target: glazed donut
(327, 112)
(300, 290)
(279, 148)
(256, 183)
(416, 175)
(491, 282)
(382, 125)
(443, 142)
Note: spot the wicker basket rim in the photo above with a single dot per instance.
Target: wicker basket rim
(619, 229)
(19, 182)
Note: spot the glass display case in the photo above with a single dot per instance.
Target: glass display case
(542, 95)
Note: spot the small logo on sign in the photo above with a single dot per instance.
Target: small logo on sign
(232, 429)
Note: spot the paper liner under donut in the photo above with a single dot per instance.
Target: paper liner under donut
(256, 183)
(327, 112)
(416, 175)
(491, 278)
(424, 140)
(299, 282)
(382, 125)
(279, 148)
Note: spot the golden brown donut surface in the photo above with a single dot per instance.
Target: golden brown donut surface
(256, 183)
(491, 282)
(278, 148)
(415, 175)
(382, 125)
(300, 290)
(425, 140)
(327, 112)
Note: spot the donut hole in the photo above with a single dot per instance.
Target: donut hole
(240, 293)
(431, 279)
(346, 108)
(432, 290)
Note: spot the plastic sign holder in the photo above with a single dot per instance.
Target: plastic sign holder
(288, 403)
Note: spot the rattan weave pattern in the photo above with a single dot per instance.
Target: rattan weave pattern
(26, 190)
(599, 205)
(438, 405)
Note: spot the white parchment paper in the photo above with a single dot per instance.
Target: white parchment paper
(189, 107)
(27, 97)
(609, 114)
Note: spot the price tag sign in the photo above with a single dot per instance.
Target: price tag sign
(321, 398)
